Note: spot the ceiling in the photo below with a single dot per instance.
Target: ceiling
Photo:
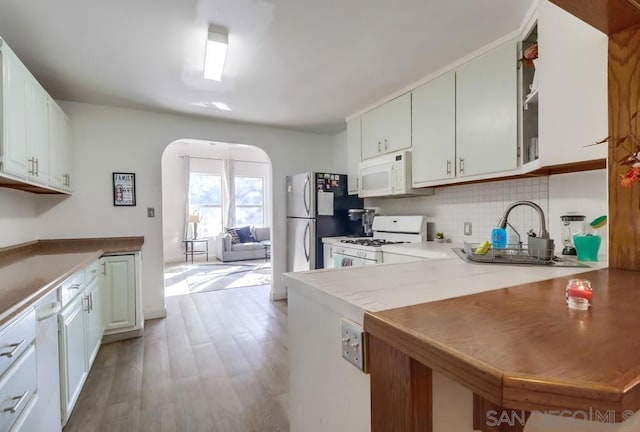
(297, 64)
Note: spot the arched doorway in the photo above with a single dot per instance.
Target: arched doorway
(208, 187)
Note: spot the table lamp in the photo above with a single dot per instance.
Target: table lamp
(194, 219)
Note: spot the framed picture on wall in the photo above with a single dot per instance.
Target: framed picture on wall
(124, 189)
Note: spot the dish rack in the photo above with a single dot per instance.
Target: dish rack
(511, 254)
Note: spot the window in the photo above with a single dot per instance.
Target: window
(249, 201)
(205, 198)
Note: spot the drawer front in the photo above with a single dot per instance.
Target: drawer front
(71, 287)
(91, 272)
(29, 421)
(15, 339)
(17, 388)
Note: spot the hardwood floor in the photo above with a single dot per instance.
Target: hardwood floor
(218, 362)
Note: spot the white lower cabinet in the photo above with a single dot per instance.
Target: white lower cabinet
(121, 296)
(73, 357)
(81, 326)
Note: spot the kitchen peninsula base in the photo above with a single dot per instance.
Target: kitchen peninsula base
(519, 348)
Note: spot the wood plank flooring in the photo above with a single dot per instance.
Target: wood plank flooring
(218, 362)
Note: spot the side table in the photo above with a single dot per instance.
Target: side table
(189, 249)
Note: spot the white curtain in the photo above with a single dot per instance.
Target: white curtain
(186, 163)
(228, 211)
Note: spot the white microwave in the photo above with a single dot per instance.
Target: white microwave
(388, 175)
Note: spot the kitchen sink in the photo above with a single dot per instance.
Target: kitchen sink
(528, 261)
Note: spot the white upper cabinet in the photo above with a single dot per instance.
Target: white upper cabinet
(354, 146)
(572, 80)
(60, 147)
(434, 130)
(387, 129)
(35, 147)
(37, 132)
(14, 114)
(487, 113)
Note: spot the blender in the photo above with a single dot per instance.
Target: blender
(365, 215)
(571, 224)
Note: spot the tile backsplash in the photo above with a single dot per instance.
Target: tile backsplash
(482, 204)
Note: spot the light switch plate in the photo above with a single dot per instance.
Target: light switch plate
(468, 228)
(354, 344)
(151, 212)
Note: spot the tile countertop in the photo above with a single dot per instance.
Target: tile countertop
(352, 291)
(30, 271)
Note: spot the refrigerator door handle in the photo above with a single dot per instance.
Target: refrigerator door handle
(305, 192)
(306, 241)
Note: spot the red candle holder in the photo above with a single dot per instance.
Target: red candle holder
(579, 294)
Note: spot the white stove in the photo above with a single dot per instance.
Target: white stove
(360, 251)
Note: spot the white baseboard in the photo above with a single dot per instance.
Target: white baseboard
(278, 295)
(155, 313)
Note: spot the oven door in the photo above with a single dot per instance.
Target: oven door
(342, 260)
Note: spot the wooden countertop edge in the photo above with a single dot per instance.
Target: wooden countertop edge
(506, 389)
(481, 378)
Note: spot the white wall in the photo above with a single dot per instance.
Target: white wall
(173, 184)
(339, 147)
(108, 139)
(483, 204)
(18, 217)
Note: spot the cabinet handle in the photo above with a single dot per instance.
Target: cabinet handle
(31, 166)
(379, 146)
(90, 301)
(104, 269)
(75, 286)
(87, 305)
(386, 144)
(16, 347)
(461, 165)
(37, 168)
(20, 399)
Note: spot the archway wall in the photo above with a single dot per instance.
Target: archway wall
(108, 139)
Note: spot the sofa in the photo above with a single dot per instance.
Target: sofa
(226, 250)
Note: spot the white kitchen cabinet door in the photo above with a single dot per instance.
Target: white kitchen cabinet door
(434, 130)
(73, 357)
(354, 151)
(119, 285)
(94, 317)
(59, 147)
(327, 252)
(387, 129)
(487, 113)
(14, 114)
(572, 82)
(37, 132)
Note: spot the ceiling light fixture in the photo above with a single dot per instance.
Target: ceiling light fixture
(221, 106)
(216, 53)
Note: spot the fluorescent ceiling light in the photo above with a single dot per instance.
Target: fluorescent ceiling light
(216, 53)
(221, 106)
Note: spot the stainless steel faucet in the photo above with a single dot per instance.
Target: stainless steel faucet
(543, 226)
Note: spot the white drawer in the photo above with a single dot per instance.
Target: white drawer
(17, 388)
(16, 338)
(29, 421)
(71, 287)
(91, 272)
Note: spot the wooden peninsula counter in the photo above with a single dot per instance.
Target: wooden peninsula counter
(517, 348)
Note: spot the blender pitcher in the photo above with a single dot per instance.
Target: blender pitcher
(571, 224)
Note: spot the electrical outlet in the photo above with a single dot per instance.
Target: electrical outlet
(468, 228)
(353, 340)
(151, 212)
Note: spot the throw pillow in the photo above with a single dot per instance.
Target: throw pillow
(235, 239)
(244, 233)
